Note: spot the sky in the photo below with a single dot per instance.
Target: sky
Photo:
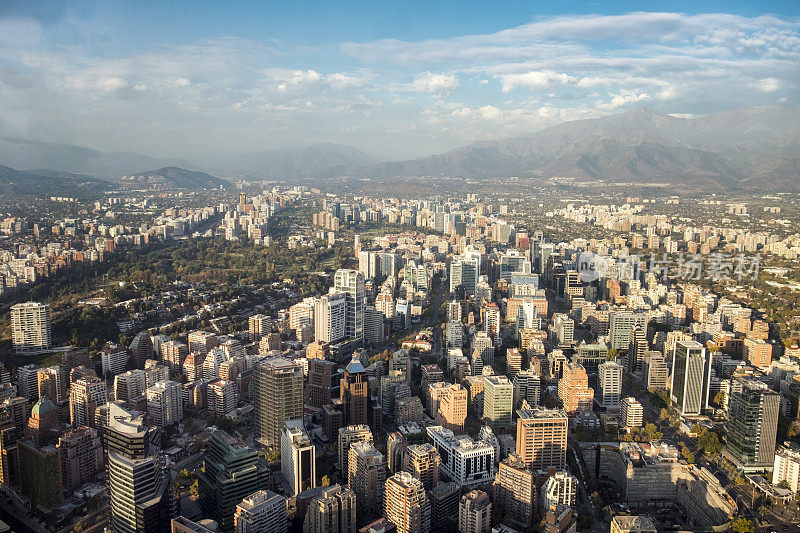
(201, 79)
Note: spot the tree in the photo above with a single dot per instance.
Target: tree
(688, 455)
(697, 429)
(784, 485)
(325, 481)
(194, 490)
(664, 414)
(710, 443)
(742, 525)
(719, 399)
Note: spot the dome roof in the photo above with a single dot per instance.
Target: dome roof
(44, 405)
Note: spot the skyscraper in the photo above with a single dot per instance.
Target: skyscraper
(353, 393)
(609, 383)
(333, 511)
(407, 506)
(498, 401)
(752, 425)
(30, 327)
(573, 389)
(261, 512)
(542, 438)
(515, 491)
(464, 273)
(688, 368)
(366, 477)
(139, 483)
(298, 457)
(351, 283)
(422, 462)
(86, 395)
(475, 513)
(278, 397)
(350, 435)
(330, 318)
(231, 473)
(165, 403)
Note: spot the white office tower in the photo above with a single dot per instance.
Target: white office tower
(467, 462)
(498, 401)
(139, 483)
(368, 263)
(560, 489)
(454, 333)
(787, 466)
(30, 327)
(526, 315)
(464, 273)
(298, 457)
(165, 403)
(261, 512)
(688, 369)
(351, 283)
(609, 383)
(564, 329)
(330, 318)
(631, 413)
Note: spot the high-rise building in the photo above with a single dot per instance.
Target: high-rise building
(330, 318)
(27, 381)
(563, 329)
(752, 425)
(465, 461)
(353, 392)
(30, 327)
(542, 438)
(139, 483)
(475, 513)
(52, 383)
(86, 395)
(620, 325)
(444, 505)
(114, 359)
(298, 457)
(259, 325)
(574, 390)
(422, 462)
(351, 283)
(515, 491)
(129, 385)
(498, 401)
(333, 511)
(655, 373)
(560, 489)
(350, 435)
(323, 382)
(688, 369)
(451, 410)
(787, 466)
(407, 506)
(165, 403)
(491, 322)
(231, 473)
(174, 354)
(261, 512)
(278, 397)
(464, 273)
(637, 347)
(40, 479)
(202, 341)
(221, 396)
(141, 348)
(366, 477)
(527, 385)
(631, 413)
(81, 453)
(609, 384)
(632, 524)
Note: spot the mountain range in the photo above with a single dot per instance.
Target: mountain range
(43, 183)
(747, 148)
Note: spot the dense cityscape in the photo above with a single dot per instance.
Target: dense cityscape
(399, 267)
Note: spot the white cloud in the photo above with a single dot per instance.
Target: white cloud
(623, 98)
(534, 80)
(768, 85)
(434, 83)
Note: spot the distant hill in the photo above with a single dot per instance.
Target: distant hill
(316, 160)
(19, 153)
(173, 178)
(751, 147)
(46, 183)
